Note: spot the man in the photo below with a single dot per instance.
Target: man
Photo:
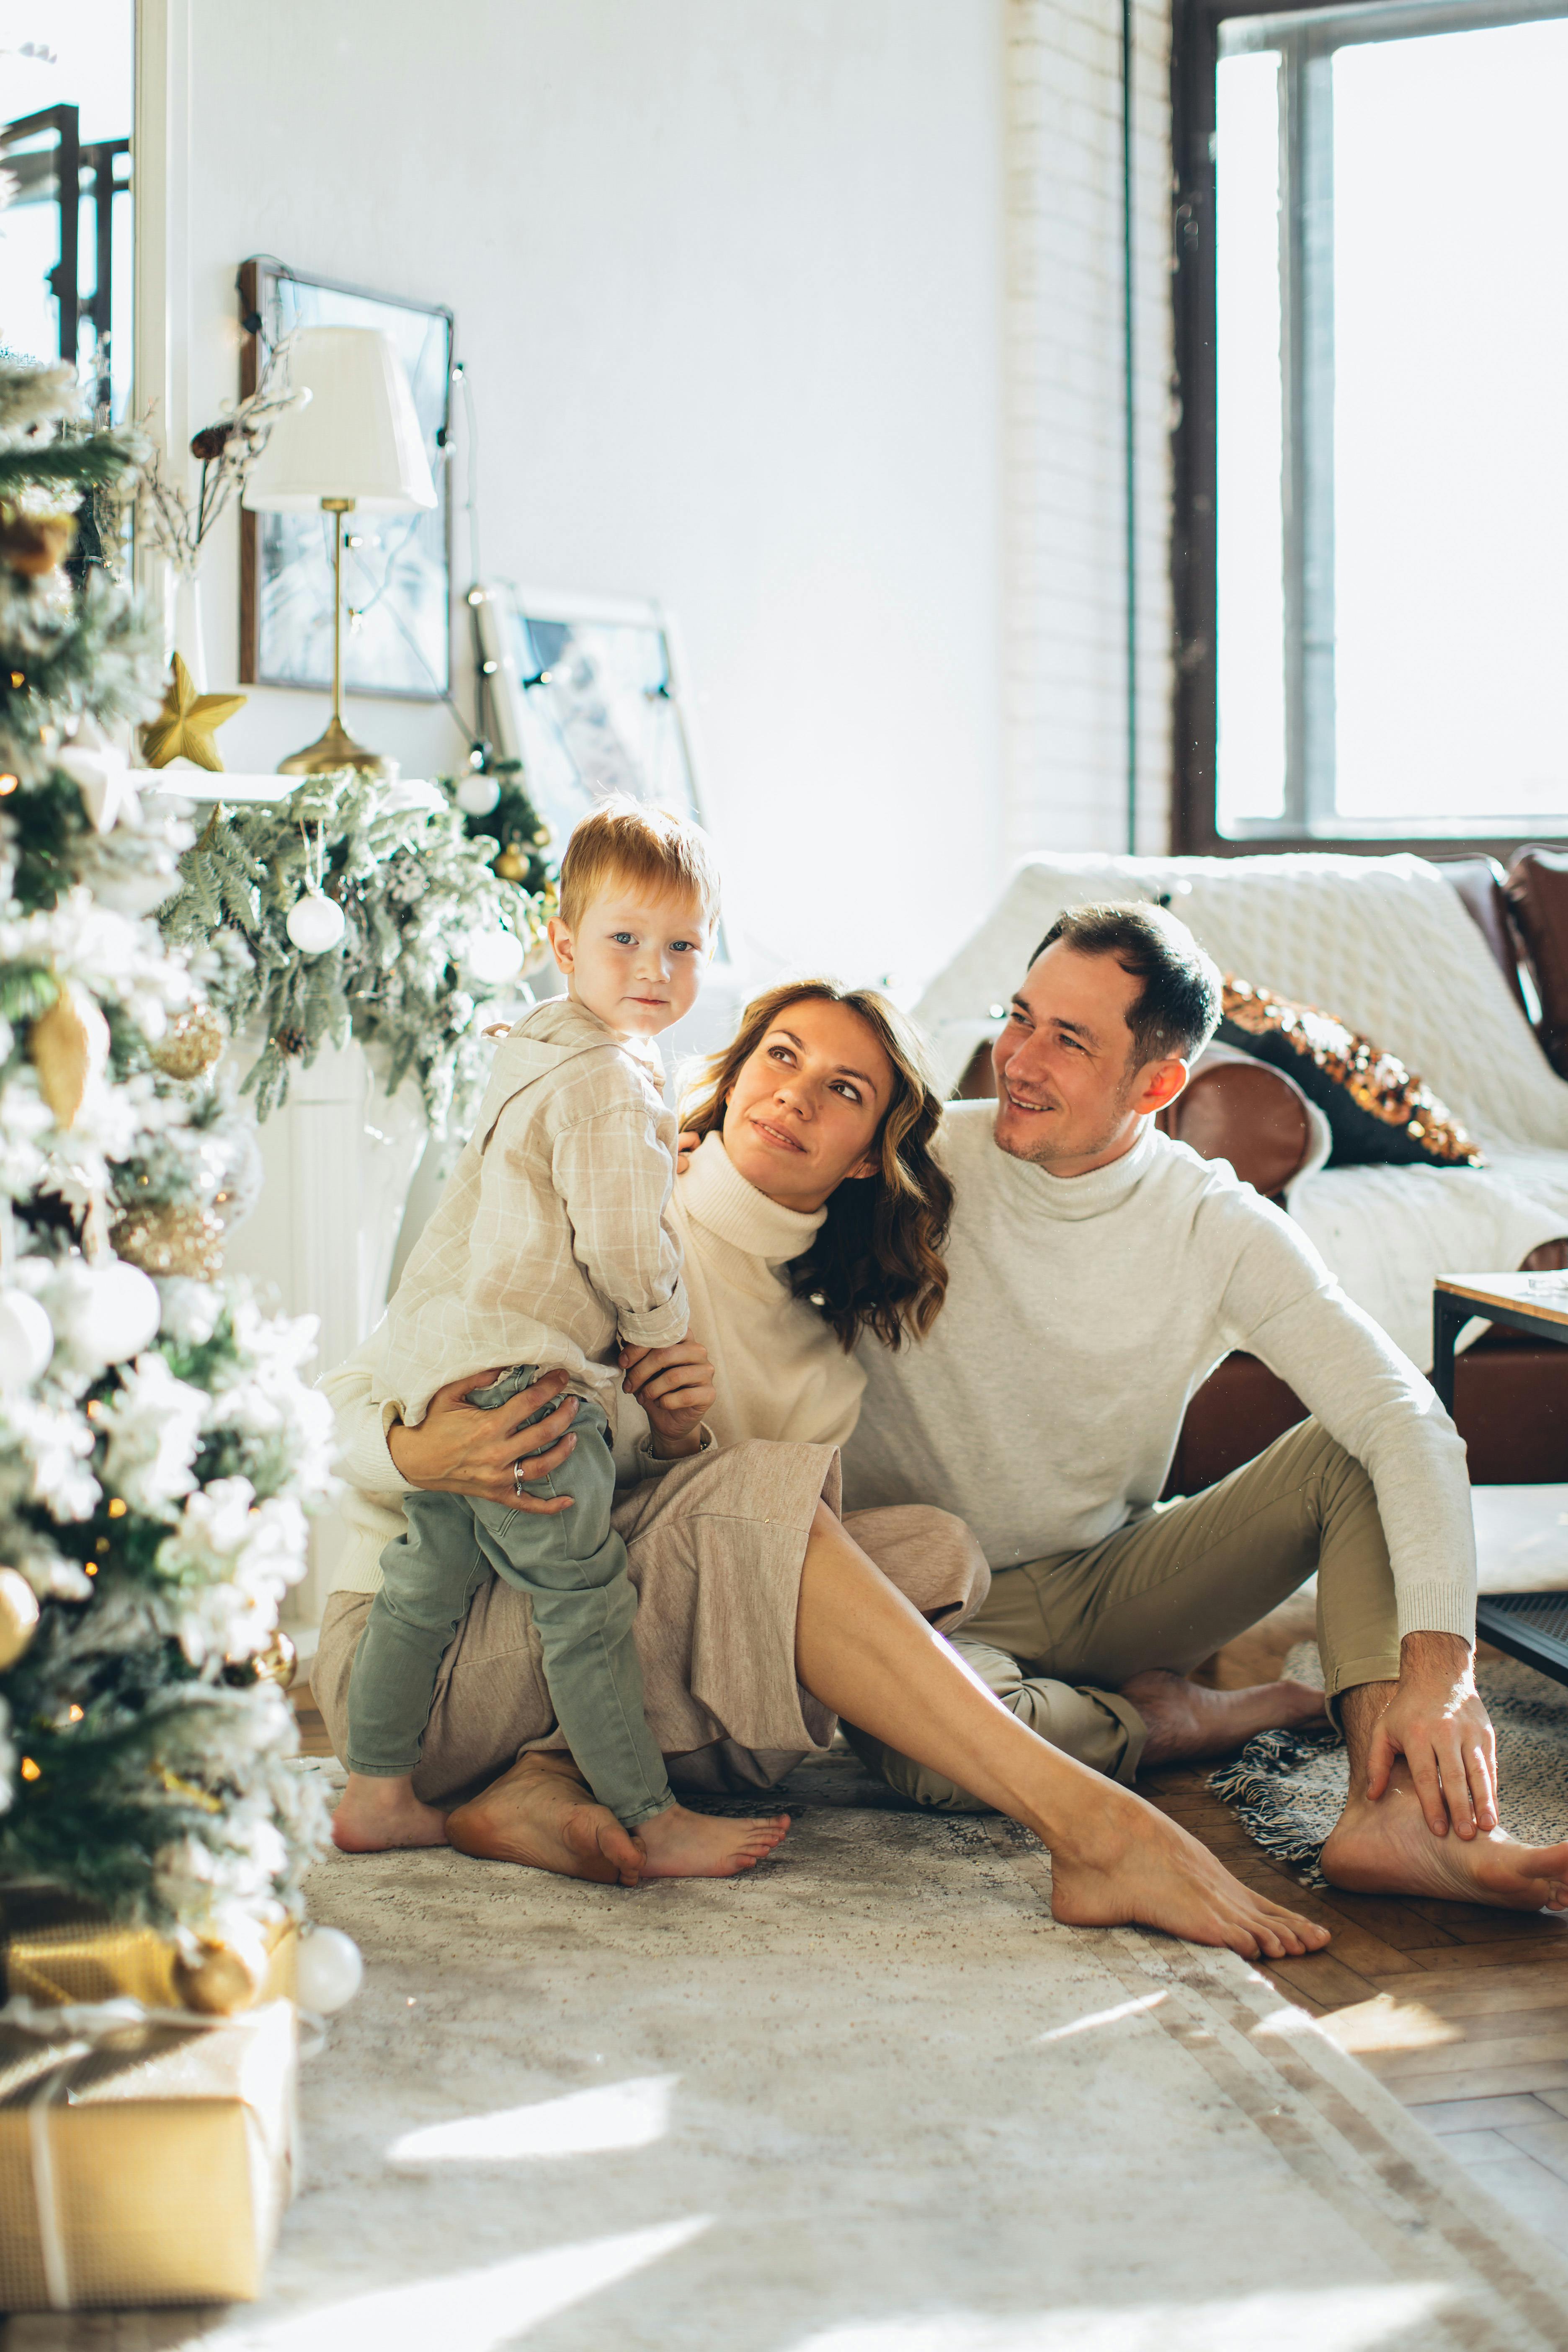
(1099, 1272)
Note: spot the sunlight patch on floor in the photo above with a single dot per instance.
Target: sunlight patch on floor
(585, 2122)
(480, 2310)
(1351, 2319)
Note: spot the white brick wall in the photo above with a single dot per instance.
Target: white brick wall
(1064, 703)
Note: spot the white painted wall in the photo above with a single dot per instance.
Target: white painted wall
(728, 278)
(1066, 642)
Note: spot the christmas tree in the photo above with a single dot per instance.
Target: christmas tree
(159, 1447)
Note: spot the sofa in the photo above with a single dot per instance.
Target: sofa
(1459, 969)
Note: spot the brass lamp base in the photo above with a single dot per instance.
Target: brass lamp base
(336, 749)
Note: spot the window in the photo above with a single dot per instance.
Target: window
(1373, 460)
(66, 257)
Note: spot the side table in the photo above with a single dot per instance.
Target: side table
(1532, 1626)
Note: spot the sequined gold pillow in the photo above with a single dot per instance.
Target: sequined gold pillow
(1376, 1111)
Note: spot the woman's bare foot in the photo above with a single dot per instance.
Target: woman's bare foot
(1187, 1720)
(704, 1845)
(1388, 1849)
(1127, 1866)
(374, 1814)
(542, 1815)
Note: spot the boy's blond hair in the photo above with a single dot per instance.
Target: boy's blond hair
(625, 840)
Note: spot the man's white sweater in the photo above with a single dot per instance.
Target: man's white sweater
(1082, 1312)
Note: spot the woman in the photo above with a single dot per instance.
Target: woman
(812, 1210)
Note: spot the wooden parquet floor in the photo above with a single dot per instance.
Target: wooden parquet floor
(1461, 2011)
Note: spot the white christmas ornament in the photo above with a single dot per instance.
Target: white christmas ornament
(26, 1339)
(100, 771)
(495, 956)
(315, 924)
(111, 1312)
(476, 795)
(330, 1971)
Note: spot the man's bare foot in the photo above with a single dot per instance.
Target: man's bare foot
(1388, 1849)
(1187, 1720)
(374, 1814)
(704, 1845)
(542, 1815)
(1127, 1866)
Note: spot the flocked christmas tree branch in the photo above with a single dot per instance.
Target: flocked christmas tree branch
(159, 1447)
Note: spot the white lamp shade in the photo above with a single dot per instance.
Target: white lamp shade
(356, 437)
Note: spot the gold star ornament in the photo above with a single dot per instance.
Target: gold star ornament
(185, 727)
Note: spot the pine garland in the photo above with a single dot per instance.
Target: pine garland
(415, 891)
(155, 1504)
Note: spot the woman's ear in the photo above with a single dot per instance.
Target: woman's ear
(863, 1170)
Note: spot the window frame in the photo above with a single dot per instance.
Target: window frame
(1195, 813)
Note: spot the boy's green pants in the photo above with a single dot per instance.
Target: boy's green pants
(573, 1567)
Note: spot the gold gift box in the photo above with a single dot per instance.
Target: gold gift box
(168, 2157)
(55, 1949)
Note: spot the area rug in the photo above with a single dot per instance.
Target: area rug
(1289, 1787)
(871, 2098)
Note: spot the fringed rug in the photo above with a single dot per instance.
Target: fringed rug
(1290, 1787)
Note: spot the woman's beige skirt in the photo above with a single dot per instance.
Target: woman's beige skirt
(715, 1549)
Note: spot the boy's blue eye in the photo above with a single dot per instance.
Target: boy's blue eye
(622, 939)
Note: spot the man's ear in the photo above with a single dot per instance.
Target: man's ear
(1163, 1082)
(560, 944)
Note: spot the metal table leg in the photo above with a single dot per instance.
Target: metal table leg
(1449, 1317)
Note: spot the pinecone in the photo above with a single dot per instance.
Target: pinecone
(291, 1041)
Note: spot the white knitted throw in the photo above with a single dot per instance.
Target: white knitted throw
(1386, 944)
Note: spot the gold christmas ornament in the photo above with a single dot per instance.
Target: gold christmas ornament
(69, 1048)
(179, 1238)
(18, 1616)
(222, 1978)
(511, 865)
(185, 727)
(192, 1043)
(277, 1662)
(35, 544)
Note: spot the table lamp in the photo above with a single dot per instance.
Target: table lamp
(353, 447)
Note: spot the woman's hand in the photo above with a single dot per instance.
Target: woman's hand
(675, 1388)
(459, 1449)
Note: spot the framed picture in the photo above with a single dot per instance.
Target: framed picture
(398, 569)
(585, 691)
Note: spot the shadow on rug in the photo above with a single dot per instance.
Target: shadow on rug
(838, 1777)
(1289, 1787)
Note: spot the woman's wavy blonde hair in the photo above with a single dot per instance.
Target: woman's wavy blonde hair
(875, 1263)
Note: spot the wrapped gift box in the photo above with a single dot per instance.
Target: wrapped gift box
(55, 1947)
(151, 2167)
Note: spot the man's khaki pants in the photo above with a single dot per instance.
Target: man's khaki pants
(1057, 1638)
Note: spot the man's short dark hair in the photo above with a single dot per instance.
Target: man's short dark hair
(1179, 1008)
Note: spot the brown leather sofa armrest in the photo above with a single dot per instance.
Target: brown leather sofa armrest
(1248, 1114)
(1537, 893)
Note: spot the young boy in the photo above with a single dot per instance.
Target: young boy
(550, 1249)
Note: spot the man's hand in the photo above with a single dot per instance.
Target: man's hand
(675, 1388)
(686, 1144)
(460, 1449)
(1436, 1722)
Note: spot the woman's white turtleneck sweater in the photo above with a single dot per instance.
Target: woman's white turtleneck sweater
(778, 1368)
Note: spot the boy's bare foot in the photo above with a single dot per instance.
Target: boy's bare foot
(1187, 1720)
(1127, 1866)
(704, 1845)
(372, 1814)
(1388, 1849)
(541, 1814)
